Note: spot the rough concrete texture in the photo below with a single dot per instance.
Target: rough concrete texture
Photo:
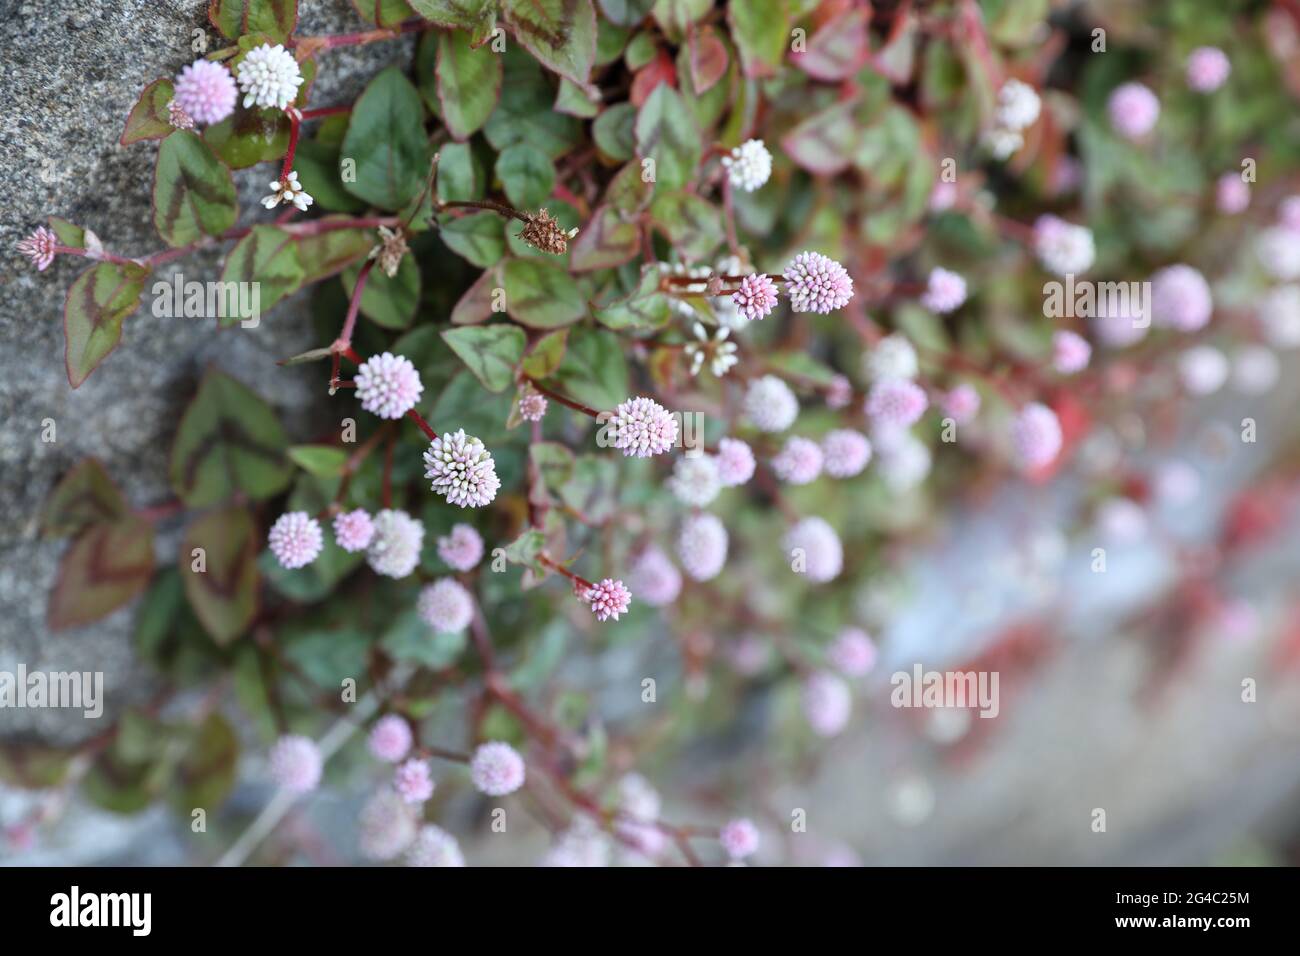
(70, 71)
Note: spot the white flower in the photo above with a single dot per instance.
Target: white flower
(269, 76)
(1203, 369)
(1002, 143)
(748, 165)
(717, 351)
(287, 190)
(892, 358)
(770, 405)
(1063, 247)
(1018, 105)
(1279, 315)
(1278, 249)
(394, 550)
(905, 464)
(695, 481)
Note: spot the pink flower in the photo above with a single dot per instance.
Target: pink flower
(756, 296)
(702, 546)
(1063, 247)
(655, 578)
(944, 292)
(1207, 69)
(608, 598)
(386, 826)
(827, 703)
(446, 606)
(532, 405)
(1036, 436)
(944, 196)
(462, 548)
(896, 403)
(295, 539)
(839, 392)
(462, 470)
(735, 461)
(177, 117)
(1203, 369)
(853, 653)
(390, 739)
(353, 530)
(1070, 352)
(1231, 194)
(40, 247)
(641, 427)
(846, 452)
(961, 404)
(739, 837)
(497, 769)
(296, 763)
(1288, 212)
(434, 846)
(413, 781)
(799, 462)
(815, 550)
(1133, 110)
(206, 91)
(1180, 298)
(816, 283)
(388, 385)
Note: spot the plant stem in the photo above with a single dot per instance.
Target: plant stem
(567, 402)
(501, 208)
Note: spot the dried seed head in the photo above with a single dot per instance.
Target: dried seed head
(543, 232)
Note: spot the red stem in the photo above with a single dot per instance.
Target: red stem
(567, 402)
(295, 124)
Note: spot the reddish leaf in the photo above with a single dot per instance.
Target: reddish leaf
(659, 70)
(608, 240)
(224, 593)
(103, 570)
(96, 305)
(838, 49)
(708, 58)
(85, 496)
(823, 143)
(476, 303)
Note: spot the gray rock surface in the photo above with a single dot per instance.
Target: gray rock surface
(70, 71)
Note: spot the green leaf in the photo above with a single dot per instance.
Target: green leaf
(389, 12)
(234, 18)
(391, 303)
(576, 100)
(626, 13)
(693, 225)
(85, 496)
(480, 413)
(229, 440)
(761, 32)
(327, 253)
(248, 137)
(524, 114)
(525, 549)
(149, 118)
(459, 176)
(609, 239)
(315, 581)
(615, 131)
(386, 138)
(479, 237)
(317, 165)
(526, 174)
(675, 16)
(96, 305)
(801, 365)
(559, 33)
(223, 594)
(105, 568)
(68, 233)
(644, 309)
(193, 194)
(268, 257)
(326, 461)
(594, 370)
(593, 489)
(491, 352)
(206, 774)
(666, 133)
(554, 465)
(410, 639)
(477, 16)
(541, 295)
(469, 83)
(545, 356)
